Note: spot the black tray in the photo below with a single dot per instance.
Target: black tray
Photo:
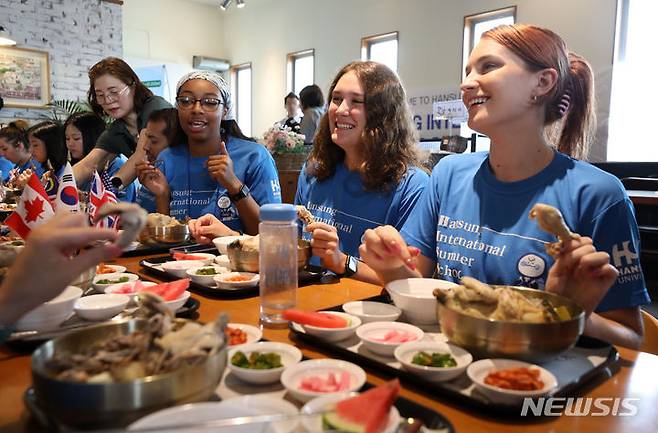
(567, 386)
(148, 249)
(407, 408)
(307, 276)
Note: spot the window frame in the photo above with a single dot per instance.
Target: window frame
(470, 21)
(291, 58)
(235, 69)
(368, 41)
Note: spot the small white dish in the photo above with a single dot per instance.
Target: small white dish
(326, 403)
(372, 336)
(101, 307)
(479, 370)
(223, 261)
(289, 354)
(223, 280)
(180, 267)
(369, 311)
(119, 288)
(175, 304)
(206, 280)
(414, 296)
(113, 278)
(248, 405)
(116, 269)
(334, 334)
(293, 376)
(221, 243)
(253, 333)
(206, 258)
(51, 314)
(404, 353)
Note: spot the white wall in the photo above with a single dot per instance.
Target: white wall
(430, 40)
(171, 31)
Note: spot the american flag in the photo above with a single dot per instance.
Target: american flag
(102, 192)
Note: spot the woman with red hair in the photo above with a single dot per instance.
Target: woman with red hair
(534, 99)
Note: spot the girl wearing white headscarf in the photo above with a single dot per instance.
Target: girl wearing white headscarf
(217, 173)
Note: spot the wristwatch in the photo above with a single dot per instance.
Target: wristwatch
(351, 265)
(243, 193)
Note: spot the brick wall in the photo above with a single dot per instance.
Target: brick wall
(75, 33)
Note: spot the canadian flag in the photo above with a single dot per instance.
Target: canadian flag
(33, 208)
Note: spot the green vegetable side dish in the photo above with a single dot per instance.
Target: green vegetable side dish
(257, 360)
(206, 271)
(120, 280)
(434, 360)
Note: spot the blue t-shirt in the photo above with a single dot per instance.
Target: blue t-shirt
(5, 167)
(475, 225)
(129, 192)
(32, 164)
(343, 202)
(146, 199)
(194, 193)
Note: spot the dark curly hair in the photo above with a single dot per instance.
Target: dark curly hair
(389, 138)
(121, 70)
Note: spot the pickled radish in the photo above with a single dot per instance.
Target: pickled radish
(331, 383)
(395, 337)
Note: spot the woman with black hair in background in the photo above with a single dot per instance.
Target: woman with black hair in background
(312, 102)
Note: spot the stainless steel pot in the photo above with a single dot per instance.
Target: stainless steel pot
(534, 342)
(247, 261)
(174, 234)
(91, 405)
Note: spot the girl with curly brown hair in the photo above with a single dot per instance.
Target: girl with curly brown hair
(362, 172)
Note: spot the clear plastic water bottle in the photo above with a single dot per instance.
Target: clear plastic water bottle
(278, 261)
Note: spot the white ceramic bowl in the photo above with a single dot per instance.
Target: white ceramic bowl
(206, 258)
(221, 243)
(414, 297)
(334, 334)
(248, 405)
(223, 283)
(290, 355)
(51, 314)
(177, 303)
(369, 311)
(206, 280)
(223, 261)
(404, 353)
(372, 334)
(112, 277)
(293, 376)
(326, 403)
(172, 305)
(254, 334)
(180, 267)
(116, 269)
(101, 307)
(479, 370)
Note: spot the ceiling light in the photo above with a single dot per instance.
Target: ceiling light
(5, 39)
(239, 3)
(225, 4)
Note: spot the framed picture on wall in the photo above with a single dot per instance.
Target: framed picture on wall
(24, 77)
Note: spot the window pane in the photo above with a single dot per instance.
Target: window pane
(244, 100)
(631, 109)
(483, 26)
(385, 52)
(303, 73)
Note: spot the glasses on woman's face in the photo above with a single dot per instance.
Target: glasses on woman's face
(208, 104)
(111, 95)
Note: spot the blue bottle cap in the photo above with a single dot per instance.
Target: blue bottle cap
(278, 212)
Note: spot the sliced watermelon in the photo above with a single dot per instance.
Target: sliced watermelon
(183, 256)
(350, 415)
(321, 320)
(175, 289)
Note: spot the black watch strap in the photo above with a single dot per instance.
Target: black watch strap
(351, 266)
(242, 193)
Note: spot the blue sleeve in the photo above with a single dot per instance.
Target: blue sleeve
(419, 229)
(128, 193)
(263, 179)
(303, 190)
(622, 241)
(412, 189)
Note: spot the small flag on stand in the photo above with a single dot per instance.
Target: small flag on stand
(51, 184)
(33, 208)
(101, 193)
(67, 192)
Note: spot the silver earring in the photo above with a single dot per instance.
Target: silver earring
(534, 98)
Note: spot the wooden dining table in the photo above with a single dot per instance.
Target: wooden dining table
(636, 378)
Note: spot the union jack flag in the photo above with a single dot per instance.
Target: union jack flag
(102, 192)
